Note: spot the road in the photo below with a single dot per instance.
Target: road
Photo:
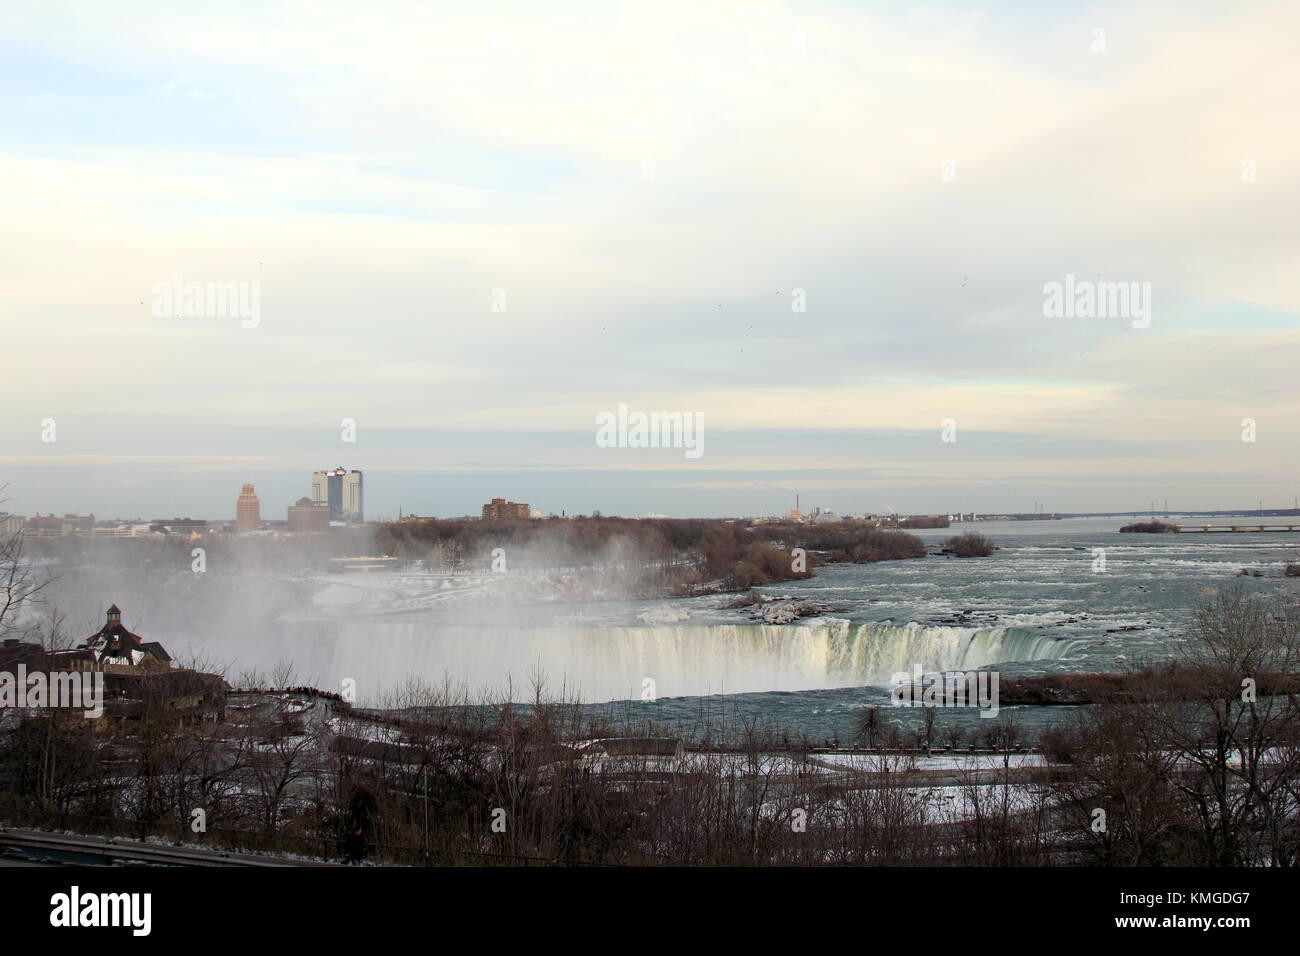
(38, 848)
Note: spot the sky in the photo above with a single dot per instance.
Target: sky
(825, 230)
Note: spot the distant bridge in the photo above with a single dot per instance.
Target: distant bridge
(1252, 526)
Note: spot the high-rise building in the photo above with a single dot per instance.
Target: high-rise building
(498, 509)
(341, 491)
(248, 511)
(308, 516)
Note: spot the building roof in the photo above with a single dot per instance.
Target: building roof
(14, 652)
(113, 640)
(76, 654)
(157, 650)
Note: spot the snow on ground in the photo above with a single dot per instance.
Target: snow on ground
(953, 804)
(874, 763)
(740, 764)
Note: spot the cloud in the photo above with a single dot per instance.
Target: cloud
(647, 185)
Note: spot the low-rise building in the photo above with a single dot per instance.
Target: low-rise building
(306, 515)
(52, 526)
(185, 527)
(498, 509)
(139, 680)
(124, 530)
(114, 648)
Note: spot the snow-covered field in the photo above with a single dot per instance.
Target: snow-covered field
(873, 763)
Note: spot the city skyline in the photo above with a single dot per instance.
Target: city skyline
(1159, 505)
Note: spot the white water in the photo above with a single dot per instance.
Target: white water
(610, 663)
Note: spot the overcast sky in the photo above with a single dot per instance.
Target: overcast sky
(649, 186)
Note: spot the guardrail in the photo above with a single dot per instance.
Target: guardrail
(77, 848)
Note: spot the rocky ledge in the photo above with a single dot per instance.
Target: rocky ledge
(786, 611)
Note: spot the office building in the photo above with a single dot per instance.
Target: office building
(342, 492)
(248, 511)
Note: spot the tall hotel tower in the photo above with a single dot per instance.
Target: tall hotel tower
(342, 491)
(248, 515)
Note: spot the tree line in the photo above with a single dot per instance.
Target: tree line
(700, 552)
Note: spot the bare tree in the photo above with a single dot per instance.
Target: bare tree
(21, 585)
(1231, 716)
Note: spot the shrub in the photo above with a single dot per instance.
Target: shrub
(1150, 527)
(970, 545)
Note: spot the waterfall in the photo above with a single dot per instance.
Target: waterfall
(611, 663)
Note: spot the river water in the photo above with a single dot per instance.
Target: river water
(1058, 596)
